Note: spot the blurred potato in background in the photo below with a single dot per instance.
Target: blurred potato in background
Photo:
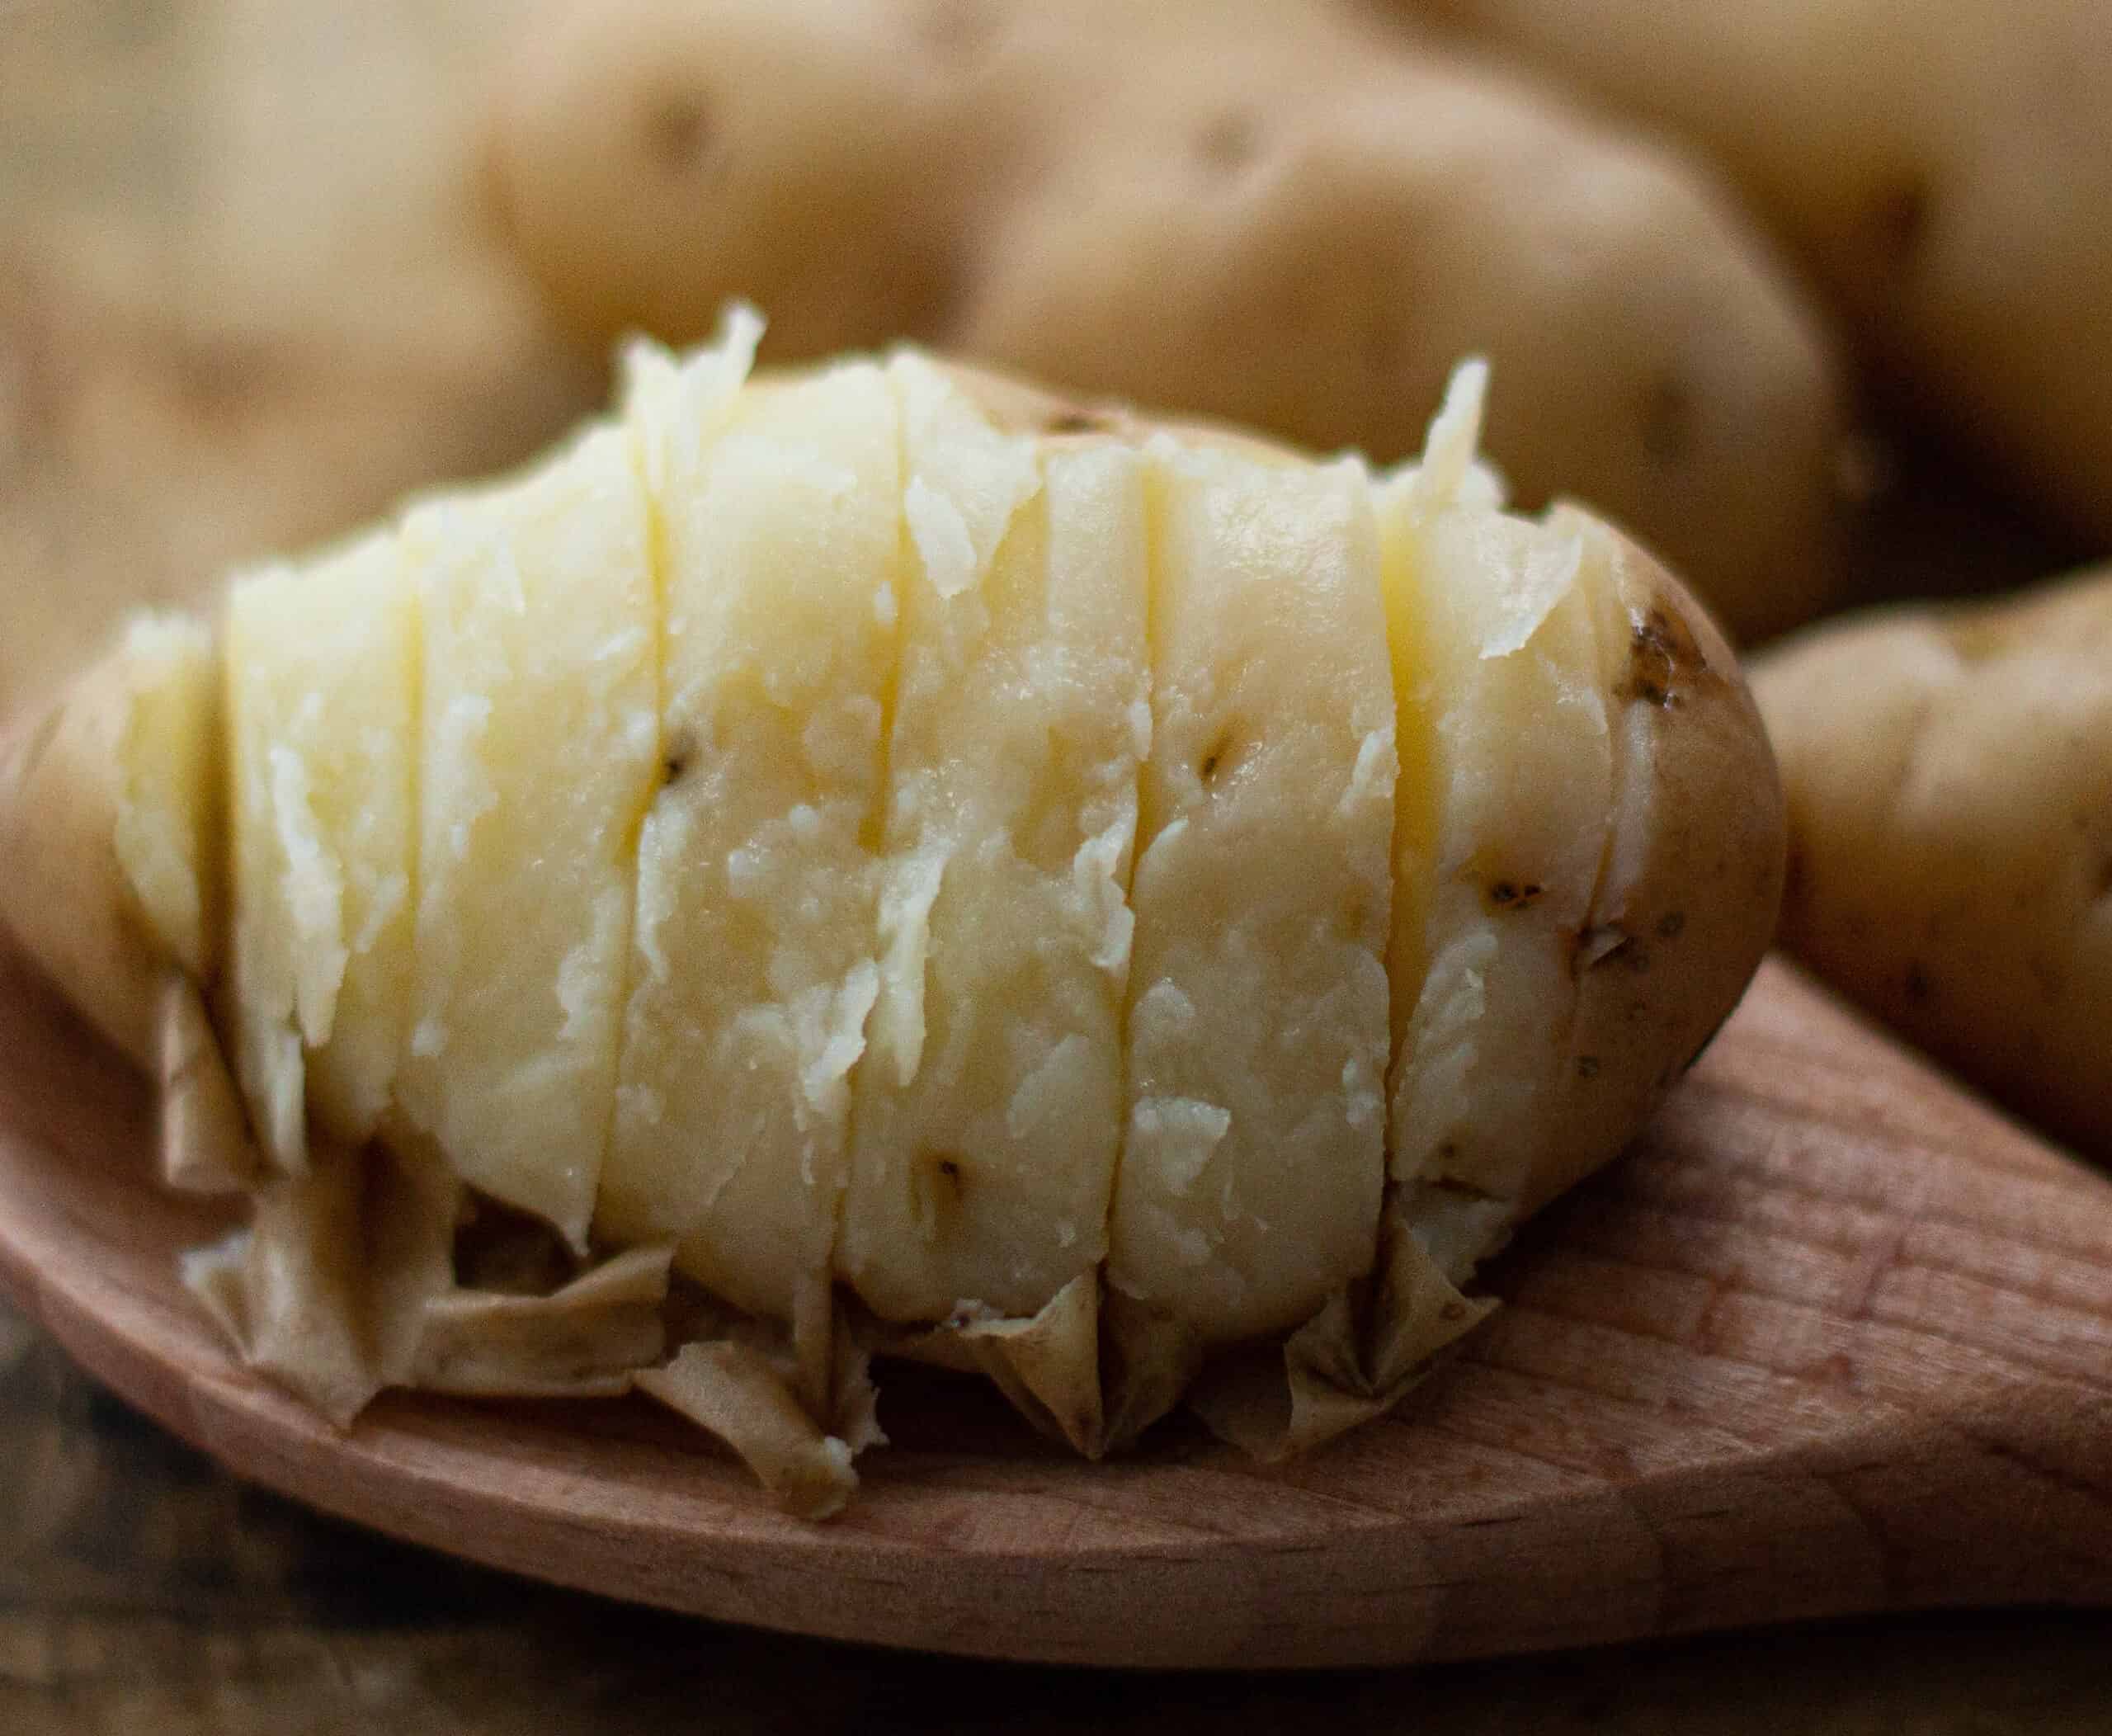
(1943, 171)
(1950, 779)
(247, 295)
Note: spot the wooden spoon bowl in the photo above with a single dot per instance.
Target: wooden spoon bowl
(1833, 1337)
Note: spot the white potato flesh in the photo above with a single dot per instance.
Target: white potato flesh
(1253, 1159)
(539, 752)
(322, 671)
(989, 1104)
(169, 817)
(754, 967)
(1522, 763)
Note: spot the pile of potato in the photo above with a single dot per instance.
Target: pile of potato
(1693, 240)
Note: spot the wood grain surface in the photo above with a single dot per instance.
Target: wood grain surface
(142, 1591)
(1832, 1338)
(245, 299)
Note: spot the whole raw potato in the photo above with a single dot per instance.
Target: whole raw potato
(1944, 169)
(1949, 782)
(1269, 214)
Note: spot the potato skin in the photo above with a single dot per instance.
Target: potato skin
(1944, 171)
(67, 897)
(1299, 229)
(1688, 900)
(1950, 777)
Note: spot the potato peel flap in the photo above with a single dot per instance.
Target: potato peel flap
(288, 1289)
(738, 1393)
(345, 1283)
(1093, 1368)
(587, 1340)
(1358, 1357)
(203, 1134)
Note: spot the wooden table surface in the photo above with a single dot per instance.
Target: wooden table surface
(245, 299)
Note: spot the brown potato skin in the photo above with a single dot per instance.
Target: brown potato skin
(62, 889)
(1950, 777)
(1298, 226)
(1688, 901)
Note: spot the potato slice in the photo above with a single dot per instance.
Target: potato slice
(1251, 1171)
(1521, 762)
(754, 969)
(539, 750)
(989, 1103)
(321, 683)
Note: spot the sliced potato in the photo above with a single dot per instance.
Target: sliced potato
(754, 966)
(989, 1106)
(1255, 1152)
(322, 685)
(779, 751)
(539, 751)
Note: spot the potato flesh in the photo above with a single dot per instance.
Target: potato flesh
(1522, 760)
(1251, 1168)
(321, 672)
(754, 968)
(1374, 778)
(541, 749)
(989, 1104)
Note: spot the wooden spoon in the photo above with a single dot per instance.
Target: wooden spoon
(1833, 1337)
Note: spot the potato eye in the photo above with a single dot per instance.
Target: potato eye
(1229, 143)
(678, 133)
(1899, 220)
